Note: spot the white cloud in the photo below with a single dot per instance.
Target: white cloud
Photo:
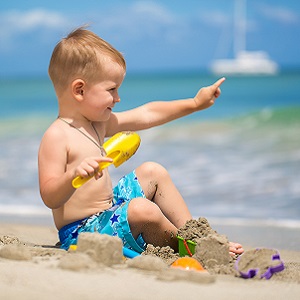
(13, 23)
(281, 14)
(28, 20)
(156, 11)
(136, 22)
(140, 20)
(215, 18)
(152, 19)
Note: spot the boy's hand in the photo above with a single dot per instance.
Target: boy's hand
(90, 167)
(206, 96)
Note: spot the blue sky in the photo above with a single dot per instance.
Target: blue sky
(153, 35)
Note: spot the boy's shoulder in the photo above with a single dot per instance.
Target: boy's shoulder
(55, 131)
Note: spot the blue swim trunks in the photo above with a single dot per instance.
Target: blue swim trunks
(112, 221)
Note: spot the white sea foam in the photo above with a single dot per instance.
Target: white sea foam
(23, 210)
(282, 223)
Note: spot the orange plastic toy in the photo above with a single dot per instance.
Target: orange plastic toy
(188, 263)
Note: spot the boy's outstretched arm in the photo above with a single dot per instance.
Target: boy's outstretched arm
(159, 112)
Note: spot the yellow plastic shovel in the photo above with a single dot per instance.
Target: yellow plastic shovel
(119, 147)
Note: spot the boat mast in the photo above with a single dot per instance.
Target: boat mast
(239, 27)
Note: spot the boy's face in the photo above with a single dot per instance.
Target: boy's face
(101, 97)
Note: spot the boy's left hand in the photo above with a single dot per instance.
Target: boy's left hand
(206, 96)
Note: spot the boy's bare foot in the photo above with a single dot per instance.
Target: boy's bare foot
(235, 248)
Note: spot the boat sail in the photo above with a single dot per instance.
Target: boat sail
(244, 62)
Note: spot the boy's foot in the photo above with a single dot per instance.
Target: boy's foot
(235, 248)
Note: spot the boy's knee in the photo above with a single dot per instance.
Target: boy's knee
(141, 210)
(151, 168)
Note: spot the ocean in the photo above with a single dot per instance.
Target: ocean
(236, 163)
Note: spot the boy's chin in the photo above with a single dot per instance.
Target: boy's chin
(105, 117)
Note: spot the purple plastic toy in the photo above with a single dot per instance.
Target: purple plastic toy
(259, 262)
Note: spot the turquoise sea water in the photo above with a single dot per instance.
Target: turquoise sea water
(237, 162)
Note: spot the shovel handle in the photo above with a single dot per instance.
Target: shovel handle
(79, 181)
(119, 148)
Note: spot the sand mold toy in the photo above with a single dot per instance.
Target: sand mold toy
(262, 263)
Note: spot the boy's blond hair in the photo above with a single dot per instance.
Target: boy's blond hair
(80, 55)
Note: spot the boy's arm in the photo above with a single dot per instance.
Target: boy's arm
(159, 112)
(55, 179)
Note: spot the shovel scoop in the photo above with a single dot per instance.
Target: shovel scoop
(119, 148)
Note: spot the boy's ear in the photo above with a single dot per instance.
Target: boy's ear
(78, 86)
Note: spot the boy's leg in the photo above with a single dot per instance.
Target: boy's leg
(146, 218)
(159, 187)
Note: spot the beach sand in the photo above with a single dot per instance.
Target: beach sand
(32, 268)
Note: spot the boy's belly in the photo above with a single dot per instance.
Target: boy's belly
(82, 204)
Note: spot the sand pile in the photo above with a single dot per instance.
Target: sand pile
(96, 251)
(31, 269)
(212, 249)
(14, 249)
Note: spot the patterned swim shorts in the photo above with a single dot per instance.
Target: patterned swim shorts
(112, 221)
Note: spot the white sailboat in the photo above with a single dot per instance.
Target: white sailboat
(244, 62)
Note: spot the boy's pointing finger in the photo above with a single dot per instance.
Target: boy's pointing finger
(219, 82)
